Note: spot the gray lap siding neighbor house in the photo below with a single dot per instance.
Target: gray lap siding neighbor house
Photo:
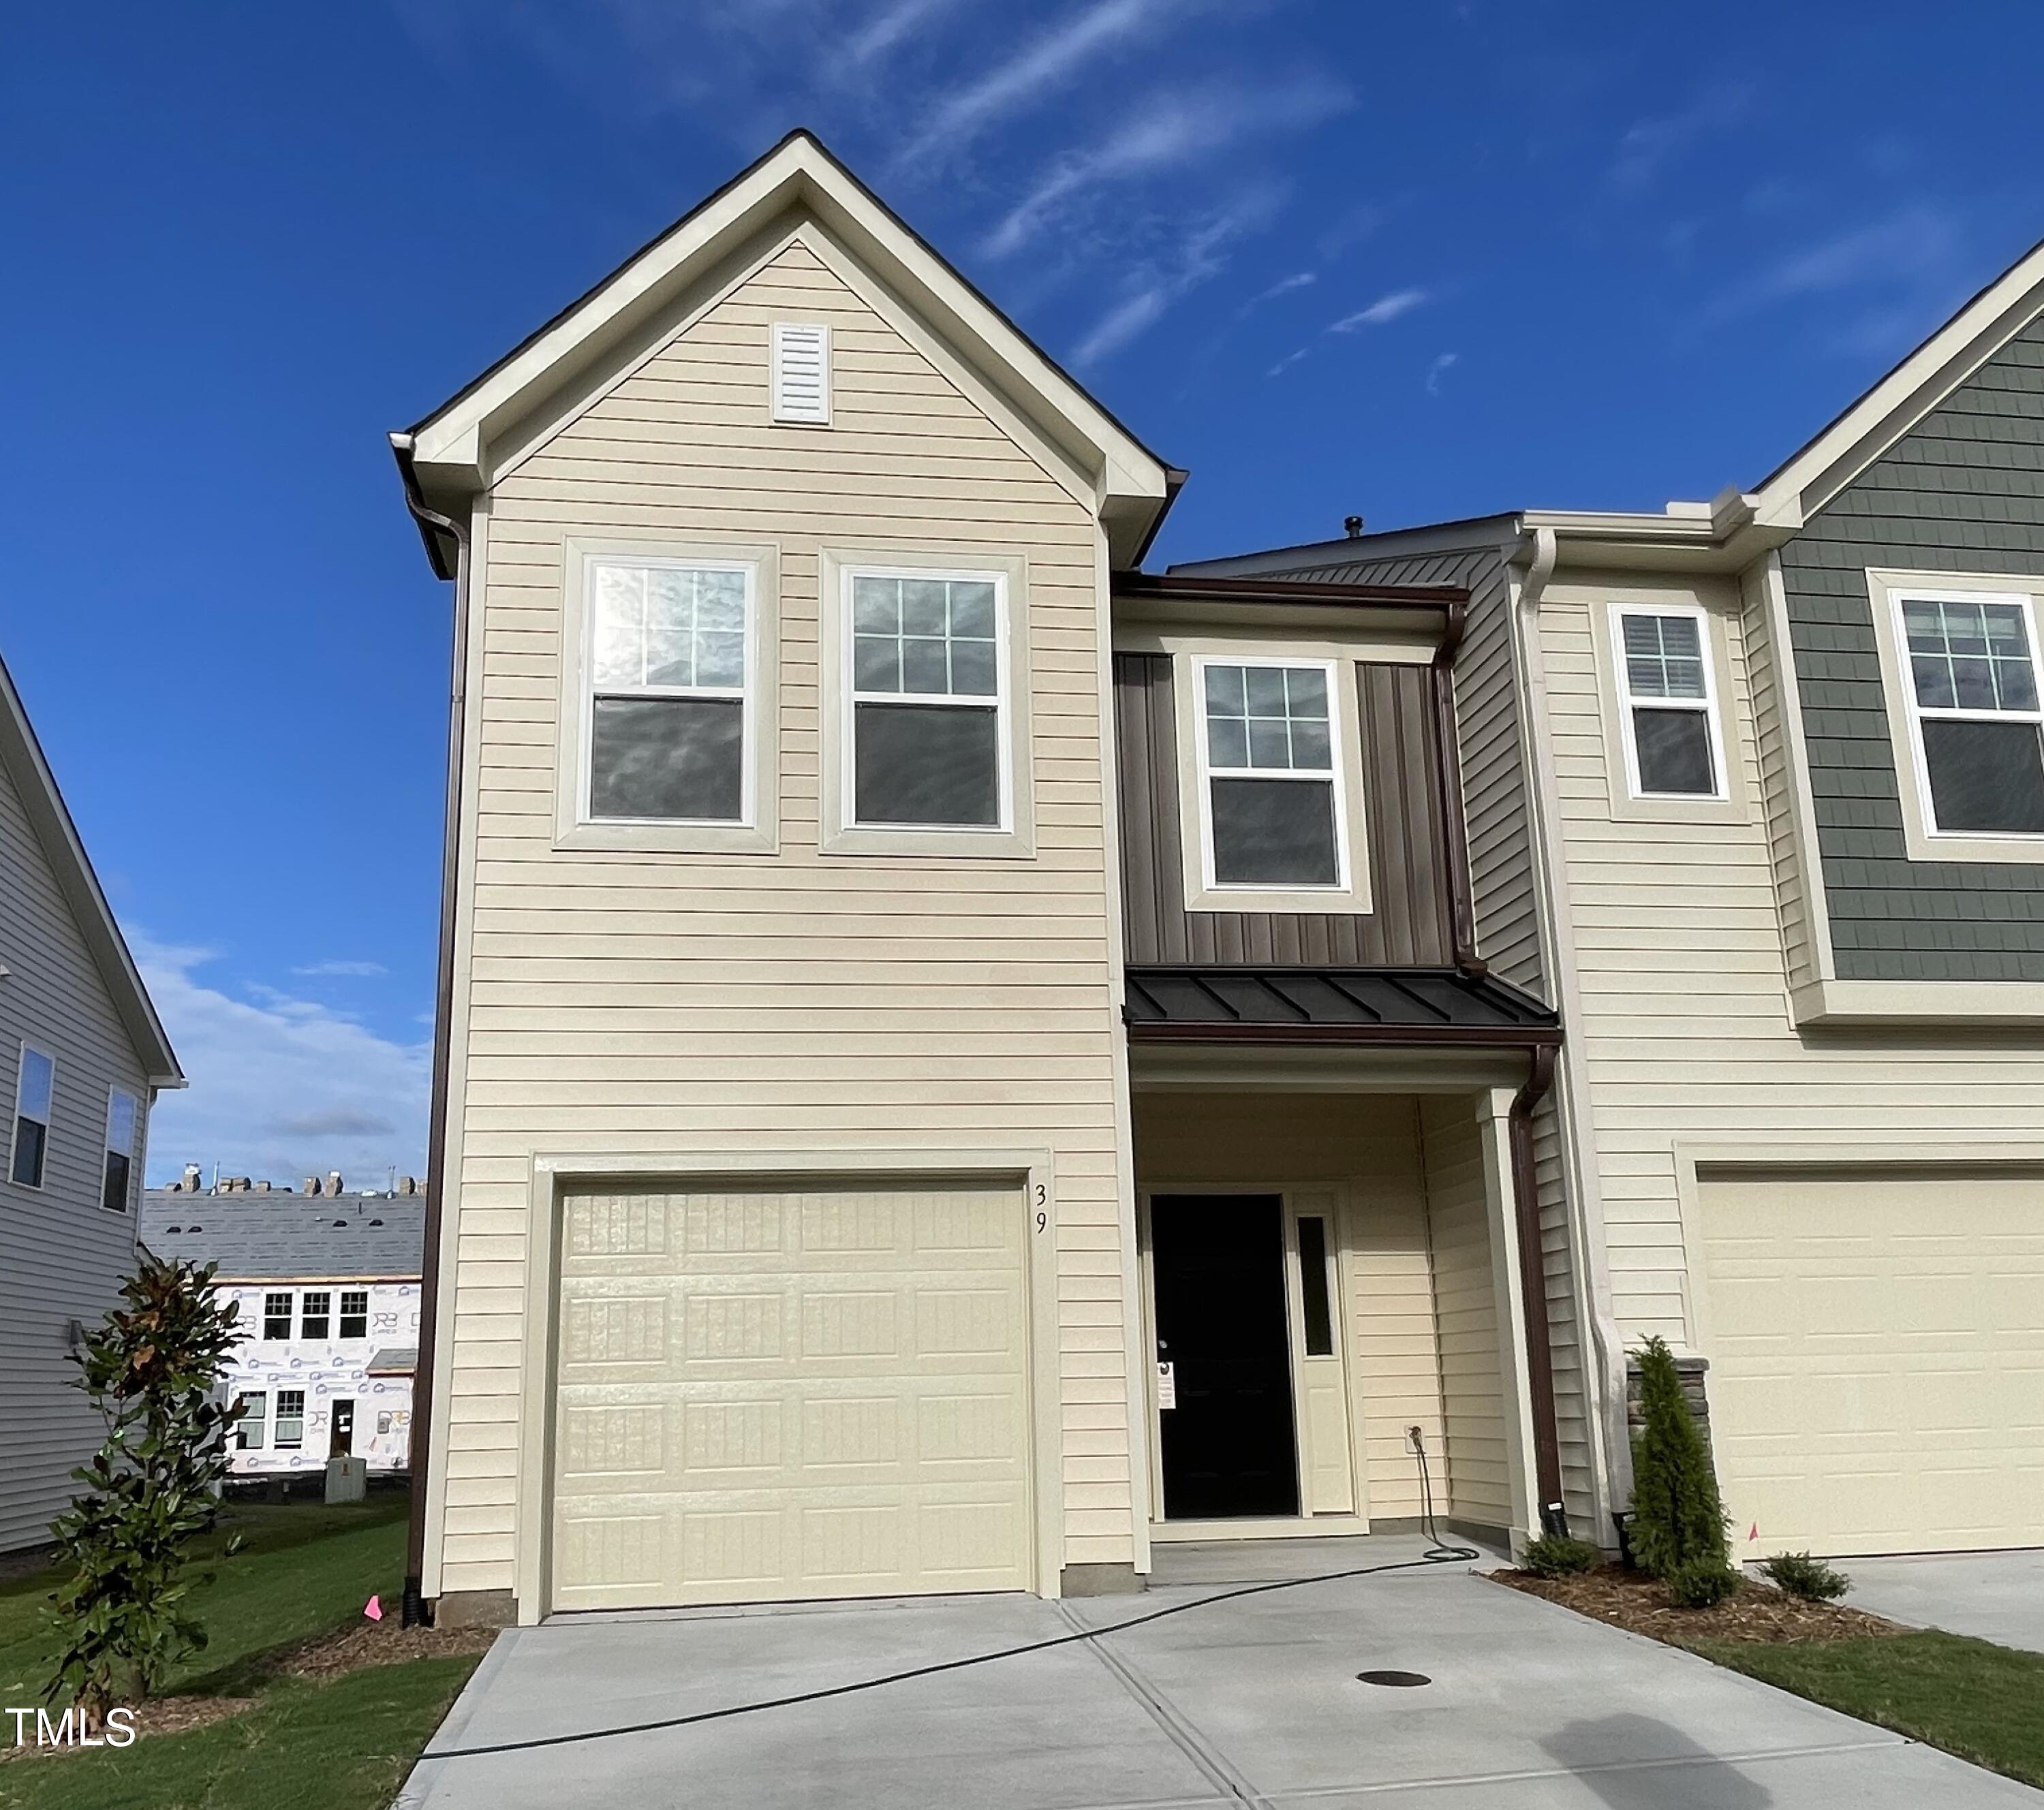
(1962, 492)
(824, 1179)
(1802, 1104)
(69, 991)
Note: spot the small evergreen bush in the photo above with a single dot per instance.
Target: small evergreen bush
(1678, 1519)
(1559, 1555)
(1800, 1575)
(151, 1370)
(1702, 1583)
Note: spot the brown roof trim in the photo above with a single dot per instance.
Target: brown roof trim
(1169, 586)
(1396, 1036)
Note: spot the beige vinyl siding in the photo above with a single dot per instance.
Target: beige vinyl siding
(1401, 1345)
(1472, 1406)
(1683, 1018)
(64, 1254)
(630, 1001)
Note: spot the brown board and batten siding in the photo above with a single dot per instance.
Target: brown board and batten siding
(1408, 926)
(631, 1001)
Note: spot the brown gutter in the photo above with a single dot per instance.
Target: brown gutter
(437, 529)
(1164, 585)
(1448, 771)
(1533, 1292)
(1534, 1037)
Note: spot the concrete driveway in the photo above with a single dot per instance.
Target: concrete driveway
(1251, 1702)
(1994, 1595)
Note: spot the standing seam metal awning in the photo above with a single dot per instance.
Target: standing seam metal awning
(1404, 1006)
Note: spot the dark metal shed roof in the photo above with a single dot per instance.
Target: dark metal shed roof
(1402, 1006)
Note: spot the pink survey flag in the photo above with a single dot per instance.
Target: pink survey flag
(374, 1607)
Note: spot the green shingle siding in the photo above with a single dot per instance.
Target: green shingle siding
(1963, 493)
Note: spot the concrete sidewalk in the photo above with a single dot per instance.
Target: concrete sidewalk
(1993, 1595)
(1252, 1702)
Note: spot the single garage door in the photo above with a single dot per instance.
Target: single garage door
(775, 1391)
(1876, 1348)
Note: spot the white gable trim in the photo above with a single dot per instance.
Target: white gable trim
(452, 448)
(1901, 399)
(21, 755)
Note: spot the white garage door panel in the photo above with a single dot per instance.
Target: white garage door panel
(774, 1393)
(1877, 1347)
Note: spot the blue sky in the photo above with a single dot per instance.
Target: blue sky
(1409, 261)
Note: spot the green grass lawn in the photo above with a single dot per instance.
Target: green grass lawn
(1982, 1702)
(341, 1744)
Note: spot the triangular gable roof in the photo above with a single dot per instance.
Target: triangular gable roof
(21, 754)
(450, 449)
(1812, 477)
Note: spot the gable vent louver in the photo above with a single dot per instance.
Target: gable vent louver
(801, 372)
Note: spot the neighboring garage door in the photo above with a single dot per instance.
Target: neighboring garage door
(1877, 1349)
(791, 1391)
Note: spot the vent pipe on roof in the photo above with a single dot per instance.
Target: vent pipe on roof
(312, 1186)
(333, 1181)
(192, 1175)
(1352, 527)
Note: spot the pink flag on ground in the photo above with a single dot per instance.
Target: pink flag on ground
(374, 1609)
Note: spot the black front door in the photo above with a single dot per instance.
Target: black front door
(1218, 1266)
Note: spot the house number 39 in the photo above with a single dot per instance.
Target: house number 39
(1043, 1195)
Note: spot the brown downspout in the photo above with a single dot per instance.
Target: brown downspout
(1448, 771)
(1533, 1292)
(417, 1611)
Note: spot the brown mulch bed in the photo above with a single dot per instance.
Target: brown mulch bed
(1640, 1604)
(324, 1657)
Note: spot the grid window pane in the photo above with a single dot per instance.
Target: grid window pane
(1969, 656)
(1272, 719)
(923, 638)
(39, 1075)
(30, 1138)
(314, 1314)
(291, 1419)
(354, 1313)
(1664, 656)
(277, 1316)
(248, 1429)
(667, 627)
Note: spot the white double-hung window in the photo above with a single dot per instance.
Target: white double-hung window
(35, 1090)
(123, 1130)
(928, 691)
(1668, 712)
(1974, 695)
(671, 649)
(1272, 816)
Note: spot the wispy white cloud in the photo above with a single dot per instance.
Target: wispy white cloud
(1284, 286)
(1200, 256)
(1381, 312)
(890, 26)
(1648, 145)
(1169, 132)
(1445, 362)
(281, 1087)
(1879, 282)
(365, 971)
(1045, 64)
(1290, 358)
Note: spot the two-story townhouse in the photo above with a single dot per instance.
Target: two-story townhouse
(958, 1062)
(82, 1056)
(326, 1292)
(1786, 772)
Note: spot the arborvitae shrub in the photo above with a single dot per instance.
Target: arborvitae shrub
(1678, 1518)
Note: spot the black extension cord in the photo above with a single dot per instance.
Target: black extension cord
(1439, 1554)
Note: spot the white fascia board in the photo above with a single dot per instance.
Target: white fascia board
(1960, 1005)
(1908, 392)
(452, 448)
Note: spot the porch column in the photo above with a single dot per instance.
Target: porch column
(1493, 1111)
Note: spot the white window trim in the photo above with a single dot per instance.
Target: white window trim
(1940, 844)
(778, 336)
(325, 1338)
(13, 1123)
(1014, 835)
(340, 1314)
(758, 832)
(290, 1317)
(259, 1422)
(115, 1091)
(1352, 896)
(1338, 730)
(1708, 706)
(278, 1416)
